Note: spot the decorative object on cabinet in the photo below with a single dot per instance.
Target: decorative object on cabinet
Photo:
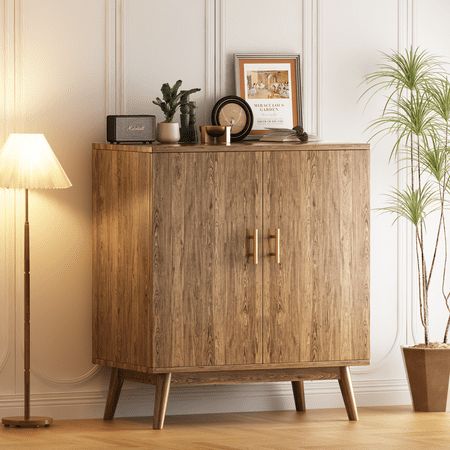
(220, 288)
(126, 128)
(188, 129)
(235, 112)
(168, 131)
(270, 83)
(215, 134)
(297, 134)
(28, 162)
(301, 134)
(417, 113)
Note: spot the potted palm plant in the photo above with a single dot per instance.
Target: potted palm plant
(168, 131)
(417, 113)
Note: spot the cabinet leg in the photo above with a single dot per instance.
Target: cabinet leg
(161, 397)
(345, 383)
(299, 395)
(115, 386)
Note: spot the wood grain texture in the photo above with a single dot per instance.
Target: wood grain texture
(234, 147)
(345, 383)
(115, 387)
(383, 427)
(162, 389)
(122, 257)
(177, 297)
(207, 291)
(316, 302)
(298, 389)
(291, 365)
(238, 376)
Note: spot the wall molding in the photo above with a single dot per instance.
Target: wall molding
(406, 271)
(110, 57)
(94, 370)
(120, 57)
(114, 57)
(138, 400)
(405, 242)
(220, 45)
(7, 197)
(15, 121)
(210, 59)
(311, 66)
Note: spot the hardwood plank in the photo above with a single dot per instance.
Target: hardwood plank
(380, 427)
(207, 291)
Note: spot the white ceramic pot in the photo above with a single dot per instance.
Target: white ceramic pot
(168, 132)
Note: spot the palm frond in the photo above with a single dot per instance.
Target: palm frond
(400, 72)
(439, 95)
(412, 204)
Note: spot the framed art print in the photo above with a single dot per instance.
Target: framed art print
(271, 85)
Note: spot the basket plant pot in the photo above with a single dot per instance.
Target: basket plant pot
(428, 372)
(168, 132)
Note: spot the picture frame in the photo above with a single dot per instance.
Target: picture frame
(271, 85)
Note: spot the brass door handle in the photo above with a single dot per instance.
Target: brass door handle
(255, 239)
(277, 237)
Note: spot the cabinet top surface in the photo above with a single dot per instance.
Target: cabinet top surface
(235, 147)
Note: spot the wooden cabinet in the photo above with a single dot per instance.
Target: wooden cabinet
(223, 264)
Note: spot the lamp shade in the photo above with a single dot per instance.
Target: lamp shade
(27, 162)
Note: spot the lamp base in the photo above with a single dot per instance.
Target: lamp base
(31, 422)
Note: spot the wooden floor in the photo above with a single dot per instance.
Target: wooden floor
(378, 428)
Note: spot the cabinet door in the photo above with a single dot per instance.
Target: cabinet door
(207, 291)
(316, 301)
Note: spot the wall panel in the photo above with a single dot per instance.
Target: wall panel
(62, 85)
(163, 43)
(431, 32)
(7, 220)
(256, 27)
(65, 64)
(350, 48)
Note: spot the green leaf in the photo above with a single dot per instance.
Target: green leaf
(412, 204)
(175, 88)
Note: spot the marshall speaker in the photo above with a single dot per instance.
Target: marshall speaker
(130, 128)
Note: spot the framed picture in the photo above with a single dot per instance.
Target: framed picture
(271, 86)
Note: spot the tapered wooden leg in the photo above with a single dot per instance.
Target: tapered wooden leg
(345, 383)
(161, 396)
(115, 386)
(299, 395)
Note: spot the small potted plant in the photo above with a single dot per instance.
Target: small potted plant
(417, 113)
(169, 131)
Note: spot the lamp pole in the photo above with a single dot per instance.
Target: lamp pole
(26, 301)
(26, 421)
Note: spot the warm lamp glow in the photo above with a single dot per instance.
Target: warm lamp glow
(27, 162)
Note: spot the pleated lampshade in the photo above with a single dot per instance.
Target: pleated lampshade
(27, 162)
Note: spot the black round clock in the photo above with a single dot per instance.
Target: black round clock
(235, 112)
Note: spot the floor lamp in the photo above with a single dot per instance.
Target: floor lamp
(27, 162)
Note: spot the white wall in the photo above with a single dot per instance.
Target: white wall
(65, 64)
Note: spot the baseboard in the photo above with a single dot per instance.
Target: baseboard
(137, 400)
